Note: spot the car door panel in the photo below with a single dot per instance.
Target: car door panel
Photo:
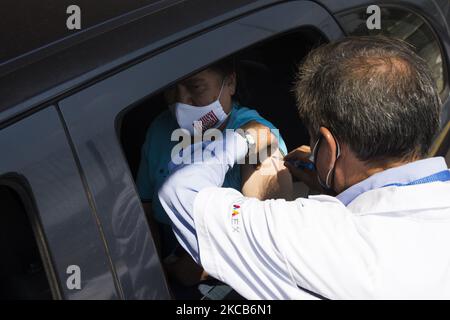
(91, 116)
(36, 149)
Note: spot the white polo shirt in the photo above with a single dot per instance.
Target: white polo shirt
(385, 243)
(389, 243)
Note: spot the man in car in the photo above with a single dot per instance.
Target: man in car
(381, 231)
(208, 96)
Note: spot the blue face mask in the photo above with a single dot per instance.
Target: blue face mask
(327, 183)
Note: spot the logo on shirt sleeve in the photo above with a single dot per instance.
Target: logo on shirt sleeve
(235, 217)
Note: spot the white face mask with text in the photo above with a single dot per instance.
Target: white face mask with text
(199, 119)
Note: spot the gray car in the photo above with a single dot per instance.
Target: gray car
(75, 106)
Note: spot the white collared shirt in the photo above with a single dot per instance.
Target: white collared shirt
(388, 243)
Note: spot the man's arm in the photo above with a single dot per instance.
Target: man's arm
(178, 193)
(263, 249)
(270, 179)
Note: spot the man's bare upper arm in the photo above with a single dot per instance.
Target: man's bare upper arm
(271, 180)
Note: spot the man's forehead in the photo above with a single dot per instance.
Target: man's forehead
(202, 76)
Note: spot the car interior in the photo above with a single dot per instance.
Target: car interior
(265, 72)
(265, 77)
(22, 273)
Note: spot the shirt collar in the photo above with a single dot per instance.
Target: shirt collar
(402, 174)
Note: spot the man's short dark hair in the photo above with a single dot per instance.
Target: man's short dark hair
(373, 93)
(225, 67)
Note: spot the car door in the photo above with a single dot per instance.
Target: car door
(38, 166)
(92, 118)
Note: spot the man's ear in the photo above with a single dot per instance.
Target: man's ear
(328, 149)
(231, 83)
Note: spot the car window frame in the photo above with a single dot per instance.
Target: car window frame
(34, 144)
(113, 96)
(444, 94)
(440, 145)
(19, 184)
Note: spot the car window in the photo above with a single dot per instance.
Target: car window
(441, 145)
(22, 272)
(403, 24)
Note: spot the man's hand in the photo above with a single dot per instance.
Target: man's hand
(305, 175)
(271, 180)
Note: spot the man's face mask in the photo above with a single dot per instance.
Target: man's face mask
(199, 119)
(313, 158)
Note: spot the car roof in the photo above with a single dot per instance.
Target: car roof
(35, 24)
(41, 60)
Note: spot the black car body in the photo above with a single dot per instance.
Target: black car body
(75, 105)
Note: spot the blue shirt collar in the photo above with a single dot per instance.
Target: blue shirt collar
(402, 174)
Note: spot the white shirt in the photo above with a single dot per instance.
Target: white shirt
(387, 243)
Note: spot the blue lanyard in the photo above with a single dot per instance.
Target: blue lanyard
(440, 176)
